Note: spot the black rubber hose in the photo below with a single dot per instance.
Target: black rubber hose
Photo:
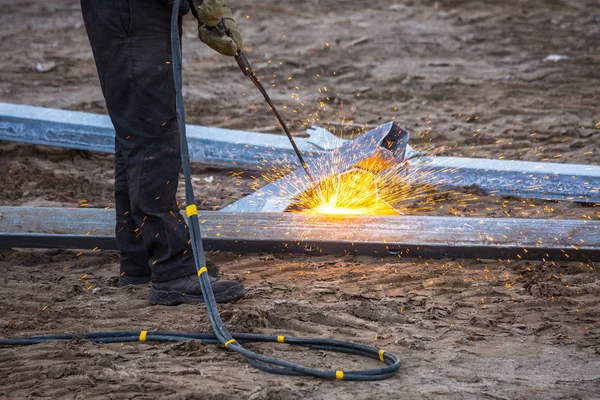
(242, 338)
(221, 335)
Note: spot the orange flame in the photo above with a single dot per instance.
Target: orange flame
(353, 192)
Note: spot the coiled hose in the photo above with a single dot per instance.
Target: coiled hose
(235, 341)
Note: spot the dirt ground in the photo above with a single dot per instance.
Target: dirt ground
(511, 79)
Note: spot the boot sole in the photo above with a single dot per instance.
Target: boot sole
(166, 298)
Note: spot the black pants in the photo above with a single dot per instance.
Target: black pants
(130, 40)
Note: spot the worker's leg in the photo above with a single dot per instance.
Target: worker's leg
(131, 44)
(133, 255)
(107, 26)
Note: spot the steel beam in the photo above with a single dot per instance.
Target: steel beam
(240, 149)
(386, 143)
(406, 236)
(209, 146)
(525, 179)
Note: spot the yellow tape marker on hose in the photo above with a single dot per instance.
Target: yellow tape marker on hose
(229, 342)
(280, 339)
(381, 355)
(191, 210)
(202, 270)
(143, 336)
(339, 375)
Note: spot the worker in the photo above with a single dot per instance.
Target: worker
(130, 40)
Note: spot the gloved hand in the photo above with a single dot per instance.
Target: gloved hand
(209, 14)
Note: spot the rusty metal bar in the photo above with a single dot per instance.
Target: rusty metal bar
(404, 236)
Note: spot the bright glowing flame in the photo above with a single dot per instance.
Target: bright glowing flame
(333, 209)
(353, 192)
(377, 185)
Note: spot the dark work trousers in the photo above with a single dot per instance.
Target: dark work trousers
(130, 41)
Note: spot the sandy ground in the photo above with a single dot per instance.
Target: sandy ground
(467, 78)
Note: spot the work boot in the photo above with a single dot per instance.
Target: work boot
(124, 280)
(187, 290)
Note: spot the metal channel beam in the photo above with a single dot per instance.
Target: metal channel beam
(209, 146)
(525, 179)
(386, 143)
(240, 149)
(407, 236)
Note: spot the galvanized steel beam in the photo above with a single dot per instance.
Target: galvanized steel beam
(406, 236)
(240, 149)
(209, 146)
(524, 179)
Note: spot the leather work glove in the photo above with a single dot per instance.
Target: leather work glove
(225, 38)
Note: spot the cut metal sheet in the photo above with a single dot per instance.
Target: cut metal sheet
(324, 139)
(387, 144)
(209, 146)
(406, 236)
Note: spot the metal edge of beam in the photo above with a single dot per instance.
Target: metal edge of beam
(209, 146)
(405, 236)
(388, 141)
(82, 242)
(524, 179)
